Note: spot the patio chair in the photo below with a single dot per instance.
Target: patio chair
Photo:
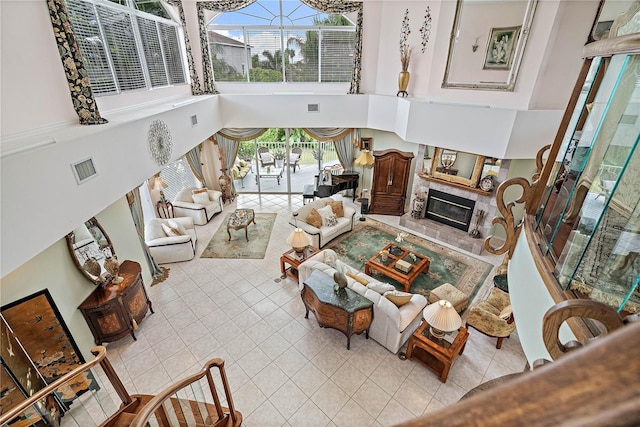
(265, 157)
(294, 158)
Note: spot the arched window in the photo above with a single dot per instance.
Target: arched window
(282, 41)
(127, 44)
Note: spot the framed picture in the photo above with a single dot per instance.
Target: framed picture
(501, 47)
(366, 144)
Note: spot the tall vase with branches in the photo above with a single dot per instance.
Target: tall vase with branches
(406, 49)
(405, 55)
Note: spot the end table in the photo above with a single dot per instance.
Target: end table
(436, 354)
(290, 257)
(165, 209)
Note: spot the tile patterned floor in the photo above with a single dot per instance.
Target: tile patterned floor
(282, 368)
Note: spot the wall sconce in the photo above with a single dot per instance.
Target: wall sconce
(474, 46)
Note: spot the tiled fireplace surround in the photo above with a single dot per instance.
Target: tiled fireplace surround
(445, 233)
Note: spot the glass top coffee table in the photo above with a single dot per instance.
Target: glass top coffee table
(269, 172)
(411, 265)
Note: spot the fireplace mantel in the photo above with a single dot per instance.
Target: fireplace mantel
(454, 184)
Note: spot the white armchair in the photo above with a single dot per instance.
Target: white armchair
(164, 248)
(183, 205)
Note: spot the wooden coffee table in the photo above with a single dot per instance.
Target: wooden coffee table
(389, 268)
(436, 354)
(345, 310)
(239, 219)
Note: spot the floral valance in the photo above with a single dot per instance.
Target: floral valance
(242, 134)
(333, 6)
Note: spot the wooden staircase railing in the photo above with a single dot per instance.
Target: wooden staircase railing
(175, 407)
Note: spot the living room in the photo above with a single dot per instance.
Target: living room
(49, 140)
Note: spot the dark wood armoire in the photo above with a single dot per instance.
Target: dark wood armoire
(390, 181)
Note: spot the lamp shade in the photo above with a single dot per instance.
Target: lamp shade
(365, 159)
(298, 239)
(442, 316)
(159, 184)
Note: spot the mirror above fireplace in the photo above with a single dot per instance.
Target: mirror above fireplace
(457, 167)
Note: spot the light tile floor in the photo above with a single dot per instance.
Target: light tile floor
(282, 368)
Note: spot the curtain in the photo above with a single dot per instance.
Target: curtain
(228, 140)
(195, 162)
(135, 205)
(196, 89)
(342, 139)
(339, 6)
(344, 148)
(218, 6)
(79, 86)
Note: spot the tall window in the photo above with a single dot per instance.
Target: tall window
(125, 48)
(177, 175)
(281, 41)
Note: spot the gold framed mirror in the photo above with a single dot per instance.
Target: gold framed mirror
(465, 169)
(487, 44)
(90, 246)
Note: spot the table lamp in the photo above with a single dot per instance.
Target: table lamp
(442, 318)
(298, 239)
(159, 185)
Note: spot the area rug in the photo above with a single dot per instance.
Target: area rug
(238, 247)
(447, 265)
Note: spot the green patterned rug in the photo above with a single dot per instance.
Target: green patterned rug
(238, 247)
(447, 265)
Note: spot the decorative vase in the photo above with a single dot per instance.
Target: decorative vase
(226, 187)
(403, 83)
(112, 266)
(92, 266)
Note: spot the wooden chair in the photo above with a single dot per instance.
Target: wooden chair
(265, 157)
(294, 158)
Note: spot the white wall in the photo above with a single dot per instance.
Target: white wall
(54, 270)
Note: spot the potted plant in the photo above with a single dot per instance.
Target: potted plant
(279, 155)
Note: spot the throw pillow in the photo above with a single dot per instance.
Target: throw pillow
(330, 258)
(358, 279)
(314, 219)
(170, 231)
(337, 208)
(328, 217)
(242, 163)
(175, 224)
(266, 158)
(398, 298)
(506, 313)
(201, 198)
(380, 287)
(199, 190)
(294, 158)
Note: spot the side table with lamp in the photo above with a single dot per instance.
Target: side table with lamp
(439, 340)
(163, 206)
(300, 251)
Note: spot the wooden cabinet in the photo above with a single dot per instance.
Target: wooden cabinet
(390, 181)
(114, 311)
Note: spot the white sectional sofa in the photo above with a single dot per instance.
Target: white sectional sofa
(323, 235)
(165, 249)
(183, 205)
(392, 326)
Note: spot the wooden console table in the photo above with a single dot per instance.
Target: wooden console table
(436, 354)
(114, 311)
(345, 311)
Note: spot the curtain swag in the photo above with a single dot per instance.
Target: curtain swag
(242, 134)
(328, 134)
(79, 86)
(196, 89)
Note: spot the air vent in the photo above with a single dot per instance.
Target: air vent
(313, 108)
(194, 120)
(84, 170)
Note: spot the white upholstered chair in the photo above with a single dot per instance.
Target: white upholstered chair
(166, 248)
(183, 205)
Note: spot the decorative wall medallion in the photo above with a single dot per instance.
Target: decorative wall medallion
(160, 143)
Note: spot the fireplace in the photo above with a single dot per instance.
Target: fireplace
(449, 209)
